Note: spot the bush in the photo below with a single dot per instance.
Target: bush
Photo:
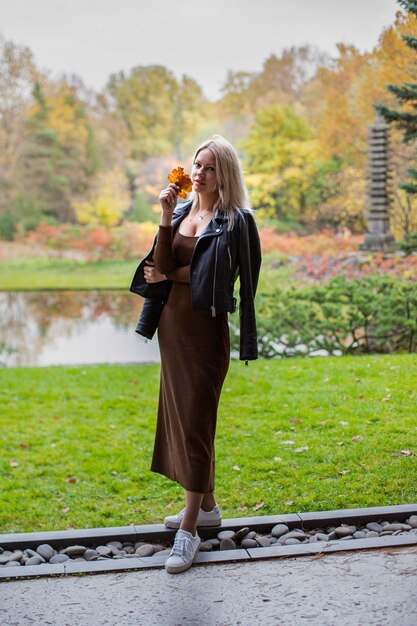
(7, 227)
(130, 240)
(375, 314)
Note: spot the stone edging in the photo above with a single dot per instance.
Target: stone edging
(159, 532)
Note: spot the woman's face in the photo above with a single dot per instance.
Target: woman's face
(203, 173)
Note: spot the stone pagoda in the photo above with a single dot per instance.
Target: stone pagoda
(378, 237)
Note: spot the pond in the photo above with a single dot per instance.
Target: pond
(40, 328)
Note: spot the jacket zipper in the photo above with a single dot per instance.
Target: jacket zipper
(213, 308)
(230, 257)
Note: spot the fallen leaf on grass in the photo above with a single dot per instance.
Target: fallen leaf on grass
(301, 449)
(295, 420)
(132, 382)
(23, 445)
(289, 442)
(13, 463)
(289, 502)
(242, 508)
(236, 467)
(357, 438)
(114, 473)
(340, 443)
(407, 453)
(258, 506)
(277, 459)
(65, 509)
(170, 505)
(343, 423)
(343, 472)
(112, 426)
(71, 480)
(388, 397)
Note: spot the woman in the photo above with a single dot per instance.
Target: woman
(187, 279)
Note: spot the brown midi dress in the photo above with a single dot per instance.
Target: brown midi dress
(195, 353)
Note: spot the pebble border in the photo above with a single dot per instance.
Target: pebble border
(26, 555)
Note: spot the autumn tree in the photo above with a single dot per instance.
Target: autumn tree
(282, 163)
(157, 109)
(339, 103)
(59, 156)
(280, 81)
(17, 75)
(405, 117)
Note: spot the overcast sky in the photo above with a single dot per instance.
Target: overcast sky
(201, 38)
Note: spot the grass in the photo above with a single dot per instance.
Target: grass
(77, 441)
(44, 273)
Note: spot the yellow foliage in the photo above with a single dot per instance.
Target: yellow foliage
(340, 100)
(107, 202)
(65, 115)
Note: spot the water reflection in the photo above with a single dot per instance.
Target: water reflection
(71, 327)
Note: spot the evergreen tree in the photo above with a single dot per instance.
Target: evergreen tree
(405, 120)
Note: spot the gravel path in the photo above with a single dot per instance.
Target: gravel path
(376, 588)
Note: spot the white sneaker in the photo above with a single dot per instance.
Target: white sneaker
(205, 518)
(183, 552)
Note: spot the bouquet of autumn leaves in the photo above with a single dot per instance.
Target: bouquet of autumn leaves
(178, 177)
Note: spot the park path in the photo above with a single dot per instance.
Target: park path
(363, 588)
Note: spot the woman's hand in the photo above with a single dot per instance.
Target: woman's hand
(151, 273)
(168, 201)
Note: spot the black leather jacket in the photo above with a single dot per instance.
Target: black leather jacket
(219, 257)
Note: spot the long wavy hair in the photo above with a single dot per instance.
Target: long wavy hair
(233, 194)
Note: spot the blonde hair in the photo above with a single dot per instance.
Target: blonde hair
(233, 195)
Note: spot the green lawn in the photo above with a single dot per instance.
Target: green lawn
(77, 441)
(43, 273)
(46, 273)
